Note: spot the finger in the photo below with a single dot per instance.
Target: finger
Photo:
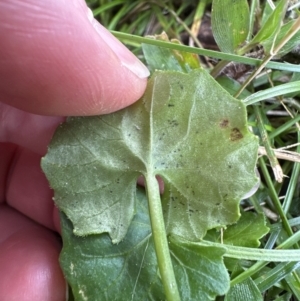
(7, 151)
(27, 130)
(55, 59)
(28, 260)
(28, 191)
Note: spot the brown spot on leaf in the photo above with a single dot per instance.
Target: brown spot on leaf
(235, 134)
(224, 123)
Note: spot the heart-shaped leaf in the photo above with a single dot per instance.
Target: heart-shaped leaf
(186, 129)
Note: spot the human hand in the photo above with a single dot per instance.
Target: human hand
(55, 60)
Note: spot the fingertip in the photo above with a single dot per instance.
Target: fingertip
(68, 64)
(127, 58)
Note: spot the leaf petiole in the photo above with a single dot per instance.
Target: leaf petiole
(160, 239)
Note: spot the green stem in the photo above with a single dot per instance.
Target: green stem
(160, 239)
(253, 8)
(285, 127)
(277, 255)
(254, 201)
(248, 273)
(211, 53)
(277, 170)
(274, 197)
(291, 241)
(291, 188)
(265, 256)
(218, 68)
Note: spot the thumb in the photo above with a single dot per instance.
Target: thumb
(56, 59)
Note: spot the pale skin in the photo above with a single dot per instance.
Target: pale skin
(55, 61)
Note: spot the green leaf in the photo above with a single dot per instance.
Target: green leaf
(276, 274)
(293, 86)
(186, 129)
(159, 58)
(201, 269)
(271, 27)
(285, 297)
(230, 23)
(245, 233)
(97, 269)
(295, 77)
(267, 11)
(290, 44)
(293, 282)
(232, 86)
(246, 290)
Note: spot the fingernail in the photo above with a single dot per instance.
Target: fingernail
(127, 58)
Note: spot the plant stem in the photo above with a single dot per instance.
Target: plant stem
(291, 188)
(248, 273)
(160, 239)
(285, 127)
(277, 170)
(274, 197)
(200, 10)
(257, 254)
(218, 68)
(266, 255)
(253, 8)
(211, 53)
